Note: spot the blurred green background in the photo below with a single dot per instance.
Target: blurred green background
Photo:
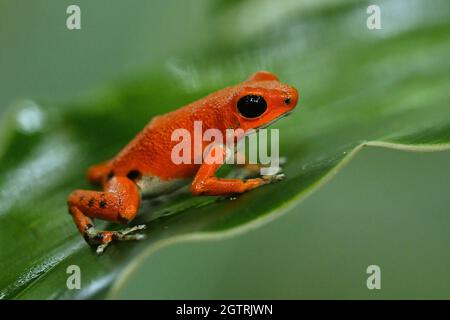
(388, 208)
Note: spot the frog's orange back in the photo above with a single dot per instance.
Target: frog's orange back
(149, 153)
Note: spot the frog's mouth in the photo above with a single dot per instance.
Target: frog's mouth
(274, 120)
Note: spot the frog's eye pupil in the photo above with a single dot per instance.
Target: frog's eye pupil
(251, 106)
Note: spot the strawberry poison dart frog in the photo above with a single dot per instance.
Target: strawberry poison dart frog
(145, 168)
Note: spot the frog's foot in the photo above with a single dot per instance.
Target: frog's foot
(273, 178)
(248, 171)
(104, 238)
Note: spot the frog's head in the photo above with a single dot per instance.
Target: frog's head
(262, 99)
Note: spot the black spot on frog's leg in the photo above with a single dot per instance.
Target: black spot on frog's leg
(103, 204)
(99, 236)
(133, 174)
(81, 198)
(91, 202)
(110, 175)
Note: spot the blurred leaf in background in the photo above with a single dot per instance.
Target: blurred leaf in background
(358, 87)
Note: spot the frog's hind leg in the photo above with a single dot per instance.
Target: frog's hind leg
(119, 202)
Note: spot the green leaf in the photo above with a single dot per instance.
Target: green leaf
(358, 88)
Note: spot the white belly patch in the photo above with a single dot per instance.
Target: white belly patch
(151, 186)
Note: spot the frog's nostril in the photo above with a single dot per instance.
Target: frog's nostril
(287, 100)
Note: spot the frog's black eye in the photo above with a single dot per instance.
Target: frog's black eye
(251, 106)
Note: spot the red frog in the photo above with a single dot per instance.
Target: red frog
(144, 168)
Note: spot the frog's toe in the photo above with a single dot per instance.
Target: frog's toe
(124, 235)
(101, 248)
(132, 229)
(274, 178)
(104, 238)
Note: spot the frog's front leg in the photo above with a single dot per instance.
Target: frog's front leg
(119, 202)
(205, 183)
